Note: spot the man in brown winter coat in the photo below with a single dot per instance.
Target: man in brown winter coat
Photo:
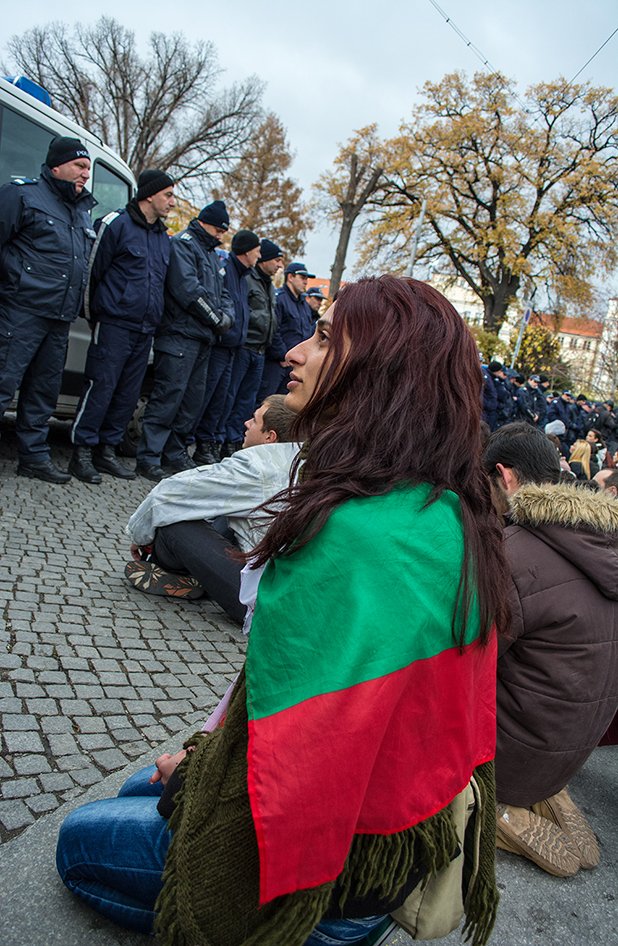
(557, 670)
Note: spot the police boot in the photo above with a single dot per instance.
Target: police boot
(207, 452)
(81, 466)
(105, 460)
(230, 447)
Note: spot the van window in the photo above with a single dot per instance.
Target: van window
(110, 190)
(23, 146)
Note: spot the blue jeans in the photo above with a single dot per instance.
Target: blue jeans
(111, 854)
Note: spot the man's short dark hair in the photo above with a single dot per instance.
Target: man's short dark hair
(278, 417)
(525, 450)
(611, 480)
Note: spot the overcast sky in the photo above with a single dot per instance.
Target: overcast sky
(332, 67)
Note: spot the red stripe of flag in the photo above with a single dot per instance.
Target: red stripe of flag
(345, 762)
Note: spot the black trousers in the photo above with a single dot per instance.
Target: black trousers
(32, 354)
(115, 369)
(203, 550)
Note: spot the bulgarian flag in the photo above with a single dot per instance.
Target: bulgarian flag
(364, 717)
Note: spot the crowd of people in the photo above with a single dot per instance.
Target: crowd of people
(218, 328)
(584, 432)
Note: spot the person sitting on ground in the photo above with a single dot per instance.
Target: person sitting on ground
(323, 800)
(558, 667)
(185, 529)
(579, 460)
(607, 481)
(598, 449)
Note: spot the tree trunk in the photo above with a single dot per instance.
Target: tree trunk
(336, 271)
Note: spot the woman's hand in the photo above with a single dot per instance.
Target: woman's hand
(166, 764)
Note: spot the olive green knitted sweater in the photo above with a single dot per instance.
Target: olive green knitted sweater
(211, 880)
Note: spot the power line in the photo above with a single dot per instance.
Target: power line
(593, 55)
(477, 52)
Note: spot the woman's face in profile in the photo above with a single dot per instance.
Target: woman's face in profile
(307, 360)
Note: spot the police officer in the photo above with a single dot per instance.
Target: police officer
(198, 309)
(45, 240)
(314, 297)
(296, 319)
(125, 303)
(249, 359)
(212, 432)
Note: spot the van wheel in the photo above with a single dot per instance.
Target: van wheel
(128, 445)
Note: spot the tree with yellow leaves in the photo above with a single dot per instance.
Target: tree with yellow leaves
(260, 196)
(518, 196)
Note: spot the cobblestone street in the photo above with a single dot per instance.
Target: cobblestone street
(92, 672)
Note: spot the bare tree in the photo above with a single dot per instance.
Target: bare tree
(344, 191)
(164, 110)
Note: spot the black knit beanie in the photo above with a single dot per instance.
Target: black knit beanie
(151, 182)
(269, 250)
(63, 149)
(243, 241)
(215, 214)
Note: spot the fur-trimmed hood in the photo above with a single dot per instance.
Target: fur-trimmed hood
(564, 504)
(579, 524)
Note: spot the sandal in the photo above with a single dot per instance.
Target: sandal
(153, 580)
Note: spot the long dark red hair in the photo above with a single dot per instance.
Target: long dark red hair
(398, 400)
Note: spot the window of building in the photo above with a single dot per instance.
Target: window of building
(573, 343)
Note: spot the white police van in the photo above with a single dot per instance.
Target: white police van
(27, 125)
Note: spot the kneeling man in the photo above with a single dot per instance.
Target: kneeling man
(184, 531)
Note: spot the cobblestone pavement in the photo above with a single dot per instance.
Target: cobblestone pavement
(91, 671)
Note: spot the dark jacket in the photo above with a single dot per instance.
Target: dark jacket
(558, 669)
(128, 270)
(262, 303)
(295, 318)
(524, 406)
(490, 398)
(237, 286)
(538, 404)
(562, 410)
(46, 237)
(506, 405)
(196, 300)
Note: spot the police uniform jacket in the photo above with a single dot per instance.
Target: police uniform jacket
(295, 318)
(195, 293)
(262, 303)
(46, 237)
(128, 270)
(237, 286)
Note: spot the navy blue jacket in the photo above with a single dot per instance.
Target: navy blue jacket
(195, 293)
(524, 406)
(46, 237)
(506, 406)
(128, 270)
(296, 321)
(238, 288)
(490, 398)
(538, 403)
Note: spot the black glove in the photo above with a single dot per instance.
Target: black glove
(219, 323)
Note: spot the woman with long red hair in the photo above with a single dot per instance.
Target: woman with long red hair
(367, 700)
